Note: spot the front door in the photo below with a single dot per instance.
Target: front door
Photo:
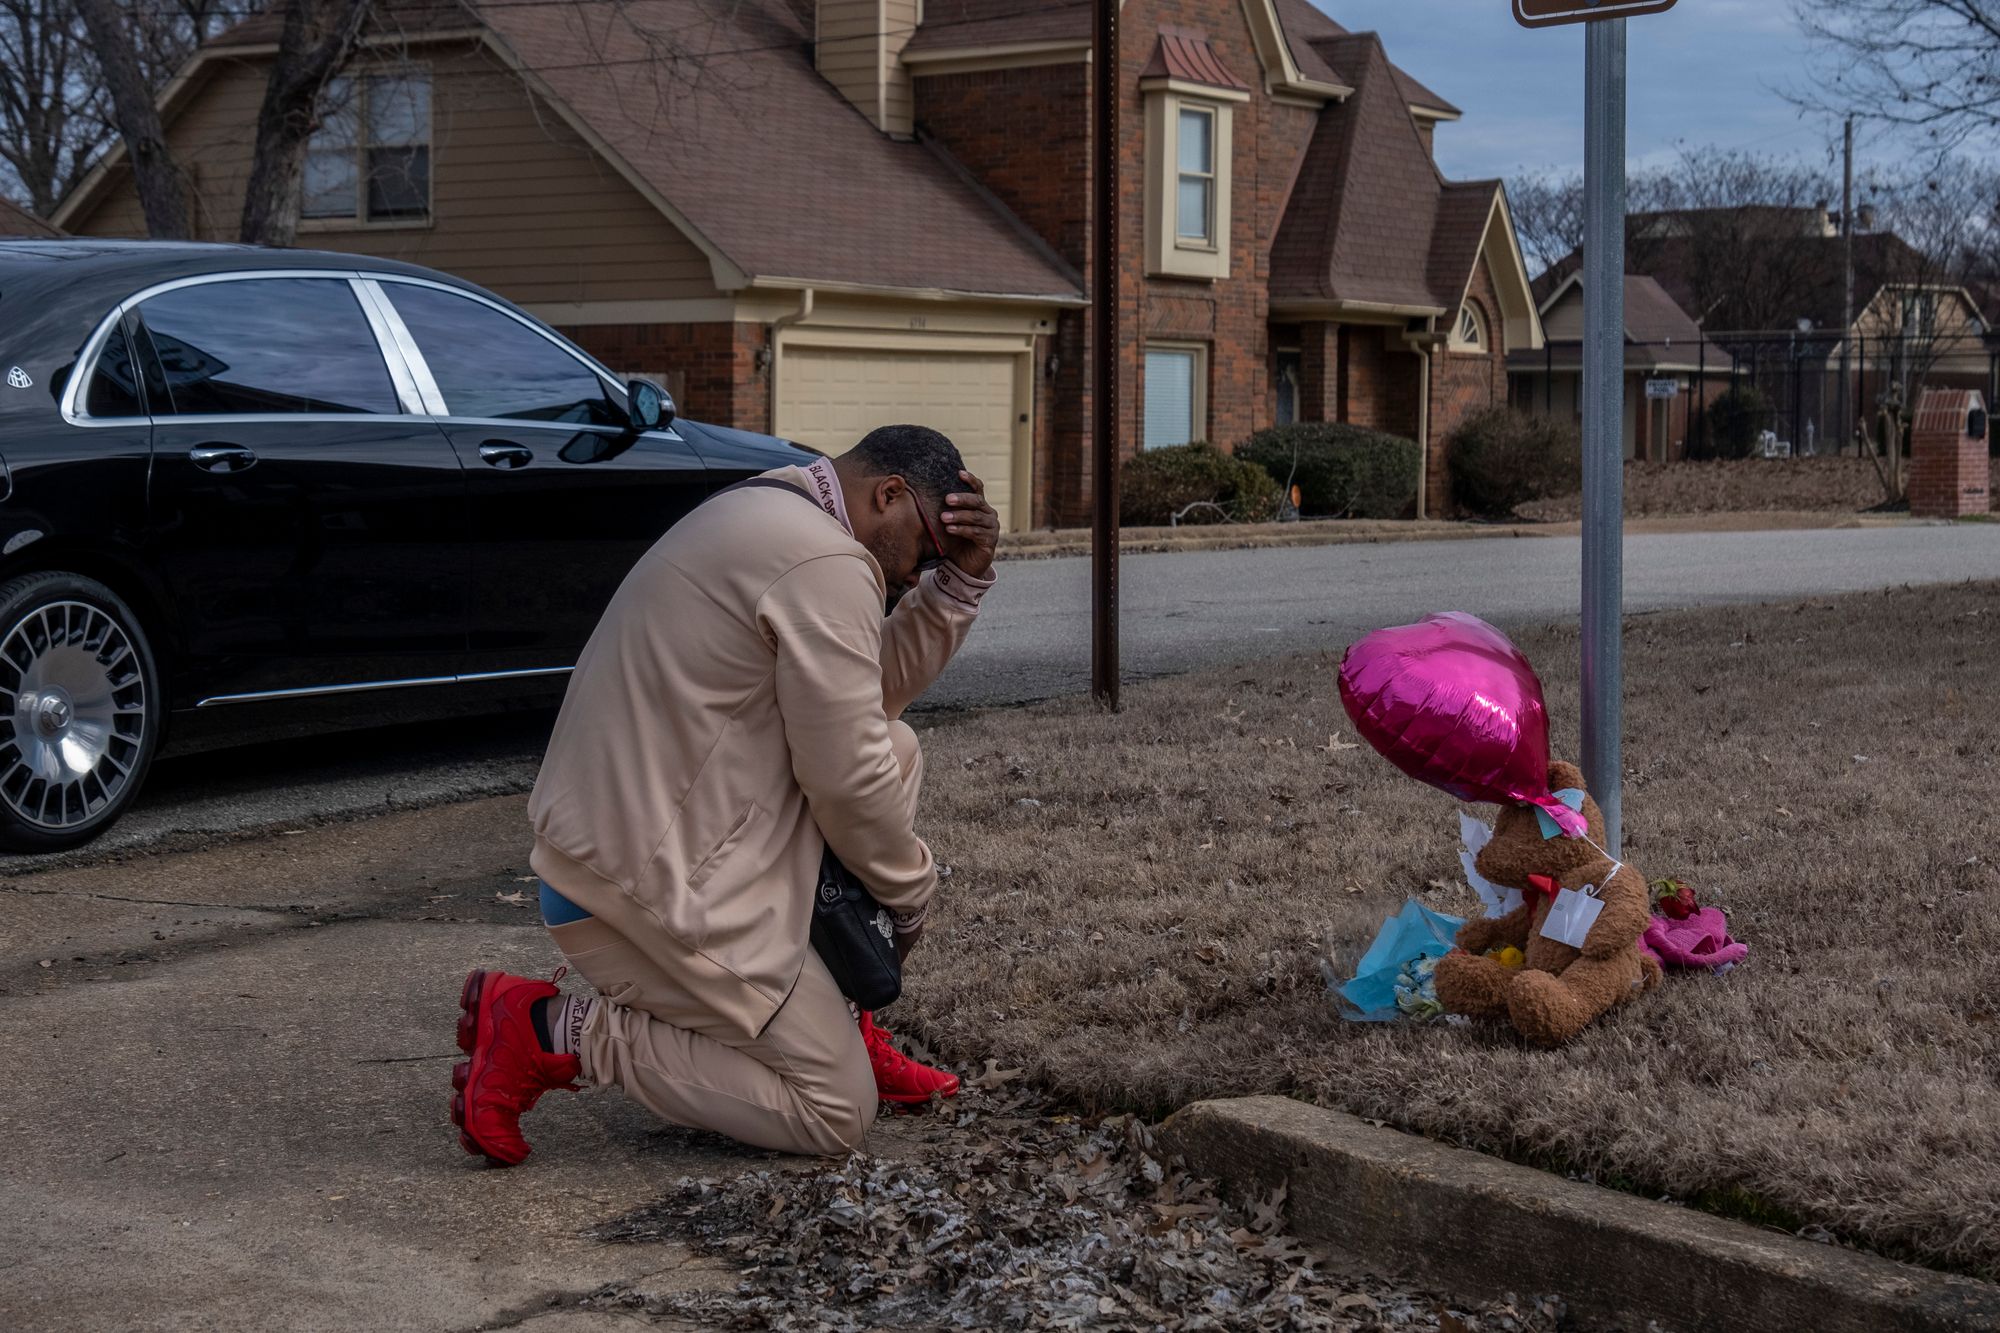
(565, 496)
(309, 524)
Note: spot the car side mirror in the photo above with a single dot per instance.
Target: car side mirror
(649, 406)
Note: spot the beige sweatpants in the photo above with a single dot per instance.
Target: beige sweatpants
(802, 1085)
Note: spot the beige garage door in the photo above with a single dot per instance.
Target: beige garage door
(830, 397)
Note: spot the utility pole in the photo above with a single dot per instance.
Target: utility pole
(1104, 360)
(1847, 308)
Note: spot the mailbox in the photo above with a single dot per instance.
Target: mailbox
(1949, 472)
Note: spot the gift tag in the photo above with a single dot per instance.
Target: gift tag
(1572, 916)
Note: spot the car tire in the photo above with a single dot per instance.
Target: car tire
(81, 710)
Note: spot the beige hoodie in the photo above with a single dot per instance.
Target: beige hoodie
(733, 704)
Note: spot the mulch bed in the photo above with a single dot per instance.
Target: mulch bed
(1005, 1214)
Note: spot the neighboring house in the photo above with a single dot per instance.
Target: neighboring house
(815, 217)
(17, 222)
(1663, 348)
(1768, 286)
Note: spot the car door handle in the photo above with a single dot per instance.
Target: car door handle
(222, 458)
(499, 453)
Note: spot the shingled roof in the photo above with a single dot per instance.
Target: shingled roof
(762, 157)
(716, 107)
(956, 24)
(17, 222)
(1370, 220)
(1305, 25)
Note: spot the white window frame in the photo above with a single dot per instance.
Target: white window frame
(360, 79)
(1197, 397)
(1168, 253)
(1481, 341)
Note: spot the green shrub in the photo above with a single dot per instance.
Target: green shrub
(1730, 424)
(1503, 457)
(1341, 471)
(1159, 484)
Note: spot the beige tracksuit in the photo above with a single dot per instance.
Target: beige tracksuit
(735, 711)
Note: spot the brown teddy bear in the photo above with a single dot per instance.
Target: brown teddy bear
(1561, 989)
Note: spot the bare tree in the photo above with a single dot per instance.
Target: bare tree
(51, 104)
(317, 39)
(162, 187)
(1928, 65)
(1548, 217)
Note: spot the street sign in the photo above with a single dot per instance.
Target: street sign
(1549, 13)
(1663, 388)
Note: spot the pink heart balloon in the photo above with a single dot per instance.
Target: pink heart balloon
(1451, 701)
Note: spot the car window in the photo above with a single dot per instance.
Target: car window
(268, 345)
(114, 384)
(488, 364)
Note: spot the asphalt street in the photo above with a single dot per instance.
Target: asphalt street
(1181, 612)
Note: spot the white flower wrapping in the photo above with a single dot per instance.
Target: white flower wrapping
(1476, 835)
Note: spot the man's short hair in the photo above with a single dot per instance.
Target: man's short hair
(924, 458)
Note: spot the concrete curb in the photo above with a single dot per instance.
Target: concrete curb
(1479, 1227)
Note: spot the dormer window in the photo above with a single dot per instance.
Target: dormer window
(1470, 335)
(1191, 101)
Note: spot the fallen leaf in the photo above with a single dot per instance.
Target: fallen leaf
(993, 1076)
(1334, 745)
(514, 899)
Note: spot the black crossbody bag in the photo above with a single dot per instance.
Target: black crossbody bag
(854, 935)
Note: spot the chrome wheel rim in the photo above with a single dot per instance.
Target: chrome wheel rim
(72, 714)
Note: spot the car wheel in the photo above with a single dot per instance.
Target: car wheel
(80, 710)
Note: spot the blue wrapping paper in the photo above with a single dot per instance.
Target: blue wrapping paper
(1413, 933)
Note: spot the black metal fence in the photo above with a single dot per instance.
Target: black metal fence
(1765, 394)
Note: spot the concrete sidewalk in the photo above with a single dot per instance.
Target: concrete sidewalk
(228, 1109)
(228, 1106)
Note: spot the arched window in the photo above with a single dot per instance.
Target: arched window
(1470, 334)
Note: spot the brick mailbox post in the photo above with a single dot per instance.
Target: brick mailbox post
(1948, 464)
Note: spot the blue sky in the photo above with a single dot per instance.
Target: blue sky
(1706, 72)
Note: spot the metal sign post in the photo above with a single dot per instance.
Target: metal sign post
(1603, 385)
(1604, 421)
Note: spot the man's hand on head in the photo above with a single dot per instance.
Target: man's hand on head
(971, 528)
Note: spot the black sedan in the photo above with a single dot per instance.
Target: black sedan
(247, 493)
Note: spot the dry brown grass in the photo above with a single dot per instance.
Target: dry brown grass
(1147, 934)
(1751, 485)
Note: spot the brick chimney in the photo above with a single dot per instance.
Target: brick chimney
(858, 47)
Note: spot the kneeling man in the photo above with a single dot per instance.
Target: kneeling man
(737, 711)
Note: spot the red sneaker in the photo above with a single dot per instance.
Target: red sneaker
(509, 1071)
(898, 1078)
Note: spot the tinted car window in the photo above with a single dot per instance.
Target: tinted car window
(268, 345)
(114, 384)
(491, 365)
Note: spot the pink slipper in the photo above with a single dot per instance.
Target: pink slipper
(1700, 941)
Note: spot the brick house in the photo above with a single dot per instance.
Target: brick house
(813, 216)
